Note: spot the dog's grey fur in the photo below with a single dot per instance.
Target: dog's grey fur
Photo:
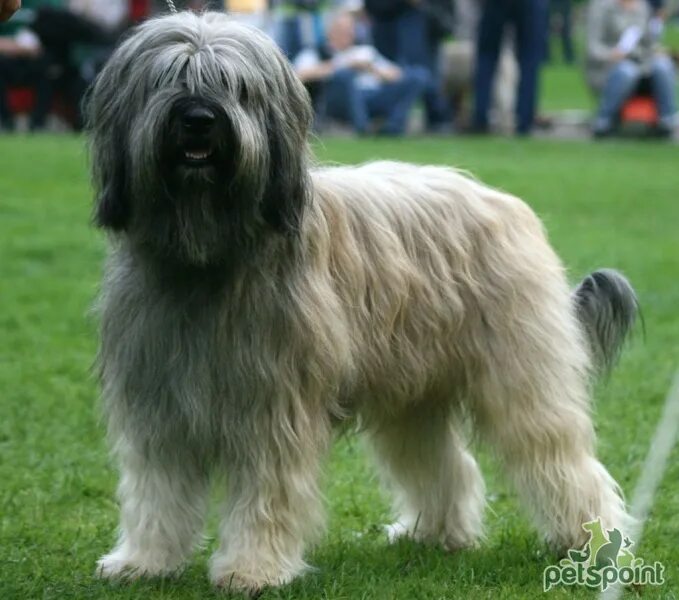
(607, 307)
(250, 304)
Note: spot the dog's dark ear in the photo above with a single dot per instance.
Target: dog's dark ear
(112, 205)
(288, 188)
(108, 153)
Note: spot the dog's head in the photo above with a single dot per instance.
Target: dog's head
(198, 129)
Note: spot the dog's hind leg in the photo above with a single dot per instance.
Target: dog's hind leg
(533, 408)
(437, 486)
(162, 507)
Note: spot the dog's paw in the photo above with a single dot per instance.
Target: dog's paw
(120, 565)
(451, 541)
(252, 585)
(249, 579)
(396, 531)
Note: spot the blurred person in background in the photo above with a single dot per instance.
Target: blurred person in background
(359, 84)
(65, 43)
(160, 7)
(623, 56)
(299, 25)
(110, 15)
(409, 33)
(458, 66)
(8, 8)
(250, 12)
(529, 19)
(78, 38)
(562, 12)
(24, 62)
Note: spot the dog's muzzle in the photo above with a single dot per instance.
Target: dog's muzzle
(196, 125)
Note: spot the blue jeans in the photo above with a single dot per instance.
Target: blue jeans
(392, 102)
(406, 40)
(622, 82)
(290, 36)
(529, 18)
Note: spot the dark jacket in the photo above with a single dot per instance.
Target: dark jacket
(386, 9)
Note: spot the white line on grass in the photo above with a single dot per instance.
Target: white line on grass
(652, 472)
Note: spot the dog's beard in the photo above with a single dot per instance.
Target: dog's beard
(194, 210)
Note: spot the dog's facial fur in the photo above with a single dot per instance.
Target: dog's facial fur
(199, 211)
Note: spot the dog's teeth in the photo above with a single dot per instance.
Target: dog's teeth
(197, 155)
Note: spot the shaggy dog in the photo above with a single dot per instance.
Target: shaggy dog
(251, 301)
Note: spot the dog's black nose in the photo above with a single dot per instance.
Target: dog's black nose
(198, 119)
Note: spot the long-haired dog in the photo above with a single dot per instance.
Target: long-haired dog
(251, 301)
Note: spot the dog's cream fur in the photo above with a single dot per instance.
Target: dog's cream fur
(413, 299)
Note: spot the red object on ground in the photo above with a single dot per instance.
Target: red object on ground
(640, 109)
(20, 99)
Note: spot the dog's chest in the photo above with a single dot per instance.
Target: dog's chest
(162, 358)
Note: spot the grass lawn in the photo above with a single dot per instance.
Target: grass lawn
(604, 205)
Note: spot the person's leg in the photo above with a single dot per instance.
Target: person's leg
(437, 110)
(345, 102)
(488, 45)
(6, 70)
(621, 81)
(417, 48)
(288, 36)
(530, 18)
(412, 37)
(394, 101)
(385, 39)
(37, 72)
(663, 82)
(567, 31)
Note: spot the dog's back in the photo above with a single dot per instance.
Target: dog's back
(451, 269)
(443, 263)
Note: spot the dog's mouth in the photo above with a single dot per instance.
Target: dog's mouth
(200, 155)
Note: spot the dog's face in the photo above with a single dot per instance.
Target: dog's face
(198, 131)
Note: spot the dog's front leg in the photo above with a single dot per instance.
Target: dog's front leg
(274, 507)
(162, 502)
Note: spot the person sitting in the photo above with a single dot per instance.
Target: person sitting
(23, 63)
(411, 33)
(359, 84)
(622, 53)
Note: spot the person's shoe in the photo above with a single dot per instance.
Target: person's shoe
(478, 130)
(440, 129)
(544, 122)
(601, 129)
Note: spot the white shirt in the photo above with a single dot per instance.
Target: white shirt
(310, 58)
(109, 14)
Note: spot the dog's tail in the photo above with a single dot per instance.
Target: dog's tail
(607, 307)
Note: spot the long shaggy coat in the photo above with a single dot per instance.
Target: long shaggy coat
(253, 301)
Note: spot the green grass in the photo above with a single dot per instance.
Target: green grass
(604, 204)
